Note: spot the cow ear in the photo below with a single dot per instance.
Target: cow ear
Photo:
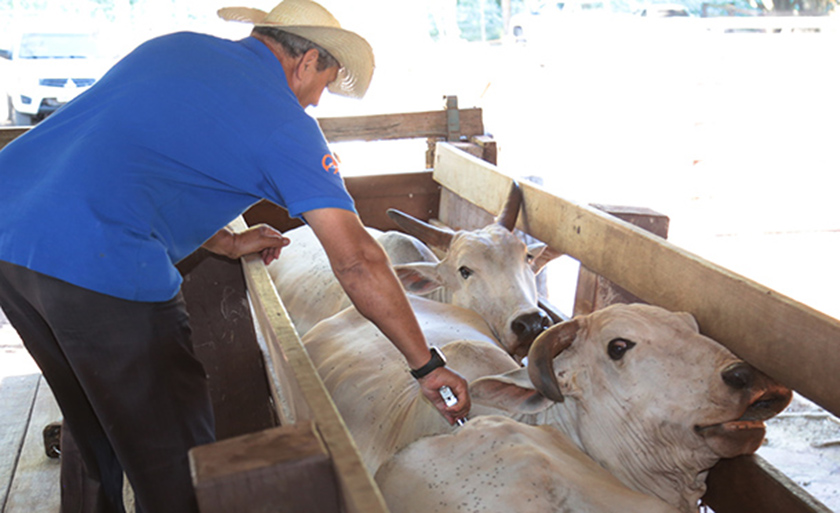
(511, 392)
(419, 278)
(403, 248)
(541, 254)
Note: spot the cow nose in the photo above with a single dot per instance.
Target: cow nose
(739, 375)
(528, 326)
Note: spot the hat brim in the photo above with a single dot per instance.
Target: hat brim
(352, 51)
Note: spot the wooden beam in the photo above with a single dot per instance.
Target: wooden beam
(301, 394)
(368, 128)
(789, 341)
(749, 483)
(400, 126)
(280, 469)
(595, 292)
(416, 194)
(8, 134)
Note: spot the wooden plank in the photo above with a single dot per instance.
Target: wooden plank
(35, 487)
(368, 128)
(225, 341)
(399, 126)
(749, 483)
(414, 193)
(307, 398)
(595, 292)
(286, 466)
(789, 341)
(17, 395)
(8, 134)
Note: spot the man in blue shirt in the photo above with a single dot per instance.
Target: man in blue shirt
(102, 199)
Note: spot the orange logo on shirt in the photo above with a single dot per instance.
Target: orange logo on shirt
(330, 162)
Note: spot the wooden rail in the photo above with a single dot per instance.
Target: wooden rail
(411, 125)
(789, 341)
(8, 134)
(301, 393)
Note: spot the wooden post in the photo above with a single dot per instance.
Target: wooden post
(224, 340)
(279, 469)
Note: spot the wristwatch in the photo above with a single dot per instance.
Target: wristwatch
(437, 360)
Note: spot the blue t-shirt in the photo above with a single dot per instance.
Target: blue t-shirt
(174, 142)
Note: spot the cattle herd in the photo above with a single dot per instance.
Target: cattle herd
(625, 409)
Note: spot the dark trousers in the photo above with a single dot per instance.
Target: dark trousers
(133, 396)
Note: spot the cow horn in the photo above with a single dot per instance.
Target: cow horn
(541, 357)
(430, 235)
(510, 210)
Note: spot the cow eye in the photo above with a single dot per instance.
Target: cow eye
(465, 271)
(529, 258)
(617, 347)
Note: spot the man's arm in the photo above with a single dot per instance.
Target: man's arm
(363, 270)
(262, 239)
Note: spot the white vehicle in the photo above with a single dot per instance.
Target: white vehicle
(542, 20)
(43, 70)
(665, 11)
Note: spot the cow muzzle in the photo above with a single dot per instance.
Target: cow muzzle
(744, 435)
(527, 328)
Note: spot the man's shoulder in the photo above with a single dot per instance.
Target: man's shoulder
(185, 39)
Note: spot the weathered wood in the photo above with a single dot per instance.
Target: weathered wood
(17, 395)
(416, 194)
(35, 487)
(280, 469)
(489, 148)
(776, 334)
(595, 292)
(225, 342)
(296, 378)
(400, 126)
(368, 128)
(8, 134)
(749, 483)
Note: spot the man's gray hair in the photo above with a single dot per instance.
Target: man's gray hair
(296, 46)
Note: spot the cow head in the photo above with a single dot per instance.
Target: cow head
(489, 271)
(642, 392)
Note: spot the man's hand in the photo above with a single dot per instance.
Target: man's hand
(261, 238)
(430, 386)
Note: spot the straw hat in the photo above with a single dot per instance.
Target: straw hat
(309, 20)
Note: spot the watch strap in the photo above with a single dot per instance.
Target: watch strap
(437, 360)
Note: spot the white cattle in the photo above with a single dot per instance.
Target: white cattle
(495, 464)
(368, 379)
(489, 271)
(636, 389)
(305, 281)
